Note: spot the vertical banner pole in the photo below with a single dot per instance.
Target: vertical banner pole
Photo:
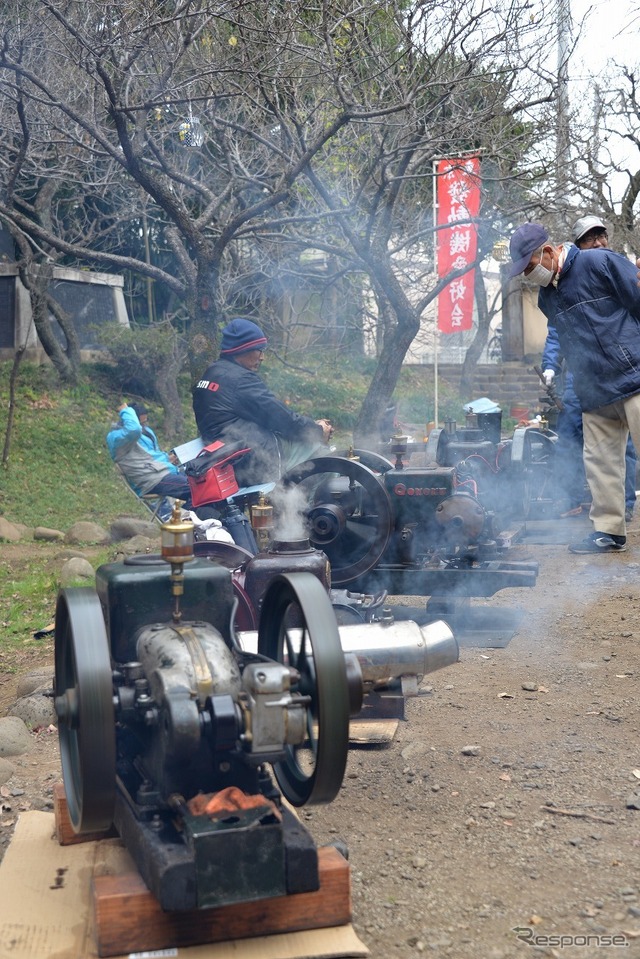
(435, 270)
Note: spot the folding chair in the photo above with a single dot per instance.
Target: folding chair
(158, 505)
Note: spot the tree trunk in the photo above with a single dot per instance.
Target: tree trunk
(13, 379)
(383, 383)
(37, 283)
(203, 331)
(166, 387)
(480, 339)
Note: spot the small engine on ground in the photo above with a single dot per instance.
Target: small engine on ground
(173, 729)
(512, 478)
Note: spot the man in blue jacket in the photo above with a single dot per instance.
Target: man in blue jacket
(146, 467)
(592, 298)
(588, 233)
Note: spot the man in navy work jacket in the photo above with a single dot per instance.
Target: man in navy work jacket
(232, 403)
(592, 299)
(588, 232)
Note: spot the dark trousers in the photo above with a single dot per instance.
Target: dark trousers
(175, 485)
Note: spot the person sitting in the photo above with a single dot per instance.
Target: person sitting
(232, 403)
(148, 439)
(147, 468)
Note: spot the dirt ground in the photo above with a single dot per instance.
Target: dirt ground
(499, 823)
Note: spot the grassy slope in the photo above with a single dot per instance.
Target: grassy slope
(59, 469)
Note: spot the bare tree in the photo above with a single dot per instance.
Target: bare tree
(259, 139)
(608, 144)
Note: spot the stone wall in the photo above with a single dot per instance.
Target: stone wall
(508, 384)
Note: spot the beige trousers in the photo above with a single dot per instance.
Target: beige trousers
(605, 432)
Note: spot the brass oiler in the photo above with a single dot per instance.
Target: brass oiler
(177, 549)
(399, 444)
(262, 521)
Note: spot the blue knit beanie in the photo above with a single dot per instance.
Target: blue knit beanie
(240, 336)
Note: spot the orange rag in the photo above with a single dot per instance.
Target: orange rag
(226, 801)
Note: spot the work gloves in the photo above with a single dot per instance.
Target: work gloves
(549, 376)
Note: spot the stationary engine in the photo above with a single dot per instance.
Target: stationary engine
(410, 530)
(512, 478)
(168, 724)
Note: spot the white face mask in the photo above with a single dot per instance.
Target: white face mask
(540, 275)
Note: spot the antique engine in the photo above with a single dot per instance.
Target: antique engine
(411, 530)
(511, 478)
(168, 725)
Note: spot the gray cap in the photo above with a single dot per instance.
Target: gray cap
(583, 225)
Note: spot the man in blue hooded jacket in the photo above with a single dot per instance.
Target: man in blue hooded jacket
(592, 299)
(588, 232)
(146, 467)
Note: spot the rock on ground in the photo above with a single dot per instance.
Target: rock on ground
(14, 736)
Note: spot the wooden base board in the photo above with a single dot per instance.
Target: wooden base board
(45, 892)
(128, 918)
(372, 732)
(64, 830)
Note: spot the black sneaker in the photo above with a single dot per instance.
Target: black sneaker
(600, 543)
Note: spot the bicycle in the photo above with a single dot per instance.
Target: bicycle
(494, 346)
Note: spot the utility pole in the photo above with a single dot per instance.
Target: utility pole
(563, 152)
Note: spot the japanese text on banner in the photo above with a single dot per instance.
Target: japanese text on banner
(458, 192)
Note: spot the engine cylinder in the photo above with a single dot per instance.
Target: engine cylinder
(297, 556)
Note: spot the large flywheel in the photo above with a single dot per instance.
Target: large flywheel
(84, 704)
(349, 513)
(298, 627)
(532, 459)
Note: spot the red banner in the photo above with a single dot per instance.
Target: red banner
(458, 199)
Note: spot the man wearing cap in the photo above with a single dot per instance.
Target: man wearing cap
(232, 403)
(591, 298)
(588, 233)
(146, 468)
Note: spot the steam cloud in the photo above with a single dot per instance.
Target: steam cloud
(289, 507)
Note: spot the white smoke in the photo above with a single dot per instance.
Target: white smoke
(290, 504)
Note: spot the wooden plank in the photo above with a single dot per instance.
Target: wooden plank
(128, 918)
(64, 830)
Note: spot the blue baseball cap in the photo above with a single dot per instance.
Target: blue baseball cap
(525, 241)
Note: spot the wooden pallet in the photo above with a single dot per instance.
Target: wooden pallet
(128, 918)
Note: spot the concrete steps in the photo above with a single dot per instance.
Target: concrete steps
(508, 384)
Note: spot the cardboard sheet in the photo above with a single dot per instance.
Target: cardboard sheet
(372, 731)
(45, 911)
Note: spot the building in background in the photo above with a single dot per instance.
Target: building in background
(91, 299)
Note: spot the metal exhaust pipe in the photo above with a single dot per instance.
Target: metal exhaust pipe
(384, 652)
